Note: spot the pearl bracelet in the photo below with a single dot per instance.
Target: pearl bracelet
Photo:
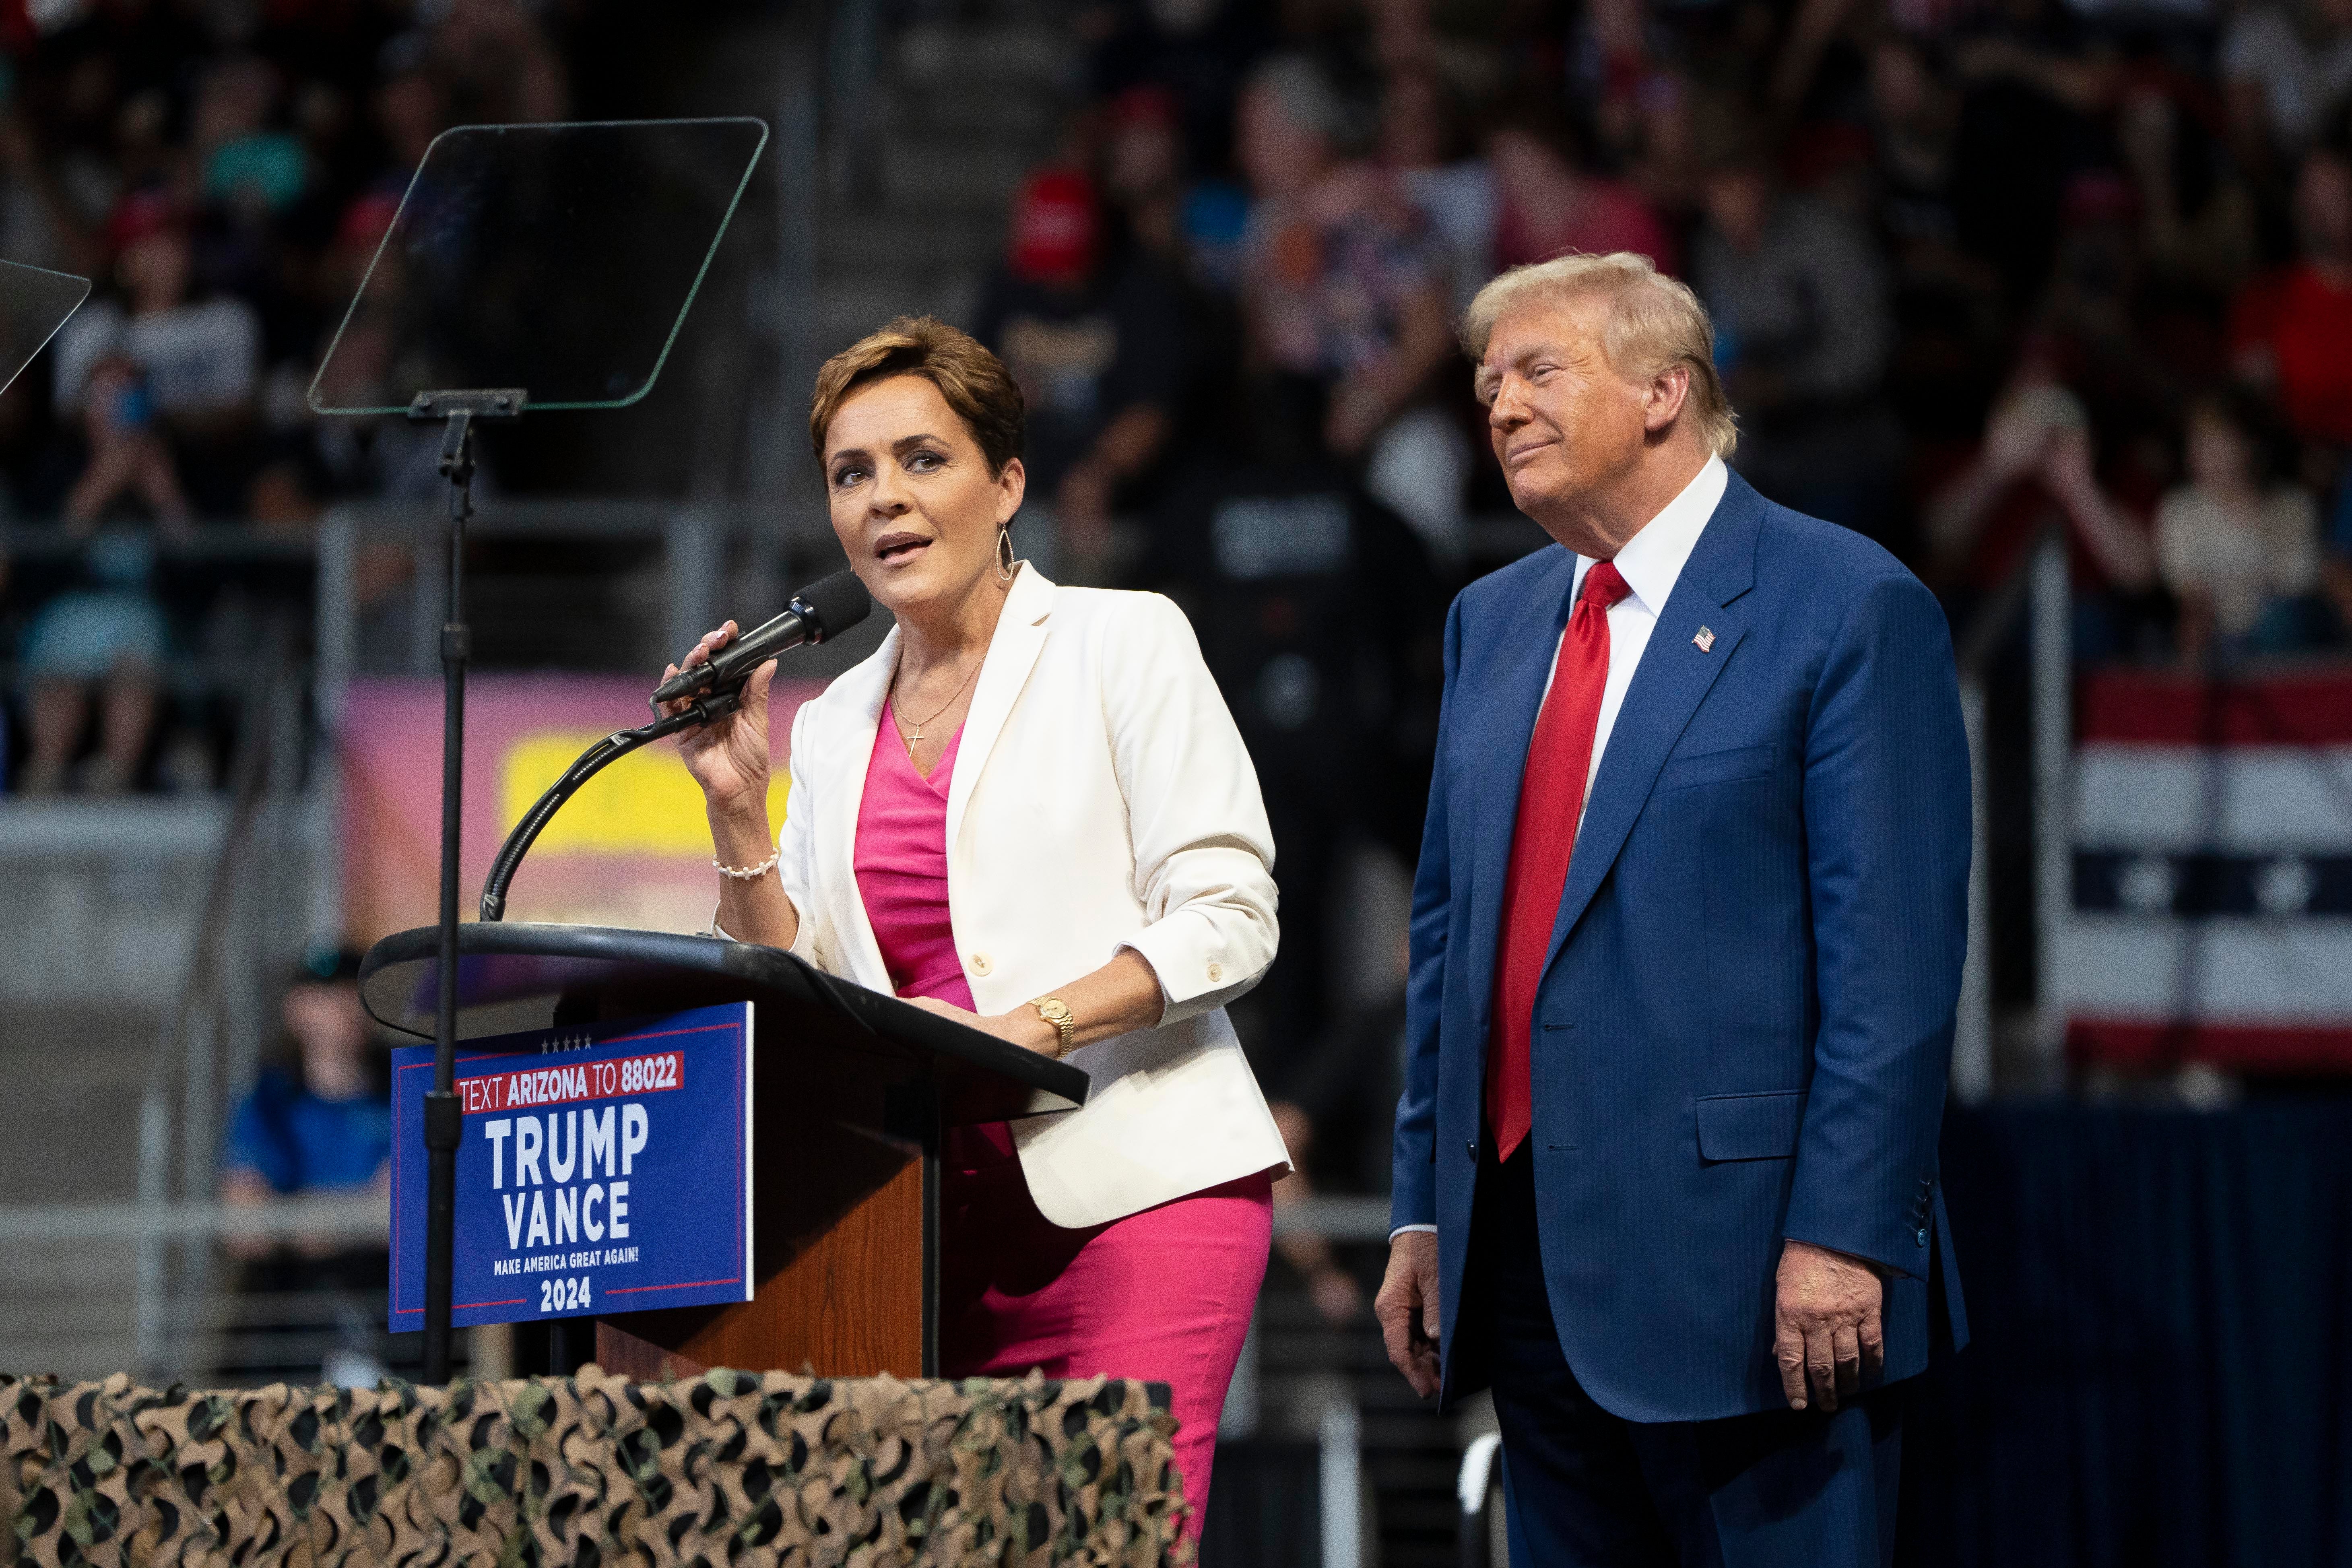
(750, 874)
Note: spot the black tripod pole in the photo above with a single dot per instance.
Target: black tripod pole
(443, 1123)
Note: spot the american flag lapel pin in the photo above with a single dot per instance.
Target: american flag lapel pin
(1706, 640)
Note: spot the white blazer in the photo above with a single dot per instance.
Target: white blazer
(1101, 799)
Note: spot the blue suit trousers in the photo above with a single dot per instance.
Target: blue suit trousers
(1585, 1488)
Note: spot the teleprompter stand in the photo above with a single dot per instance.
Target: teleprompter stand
(456, 412)
(851, 1093)
(548, 265)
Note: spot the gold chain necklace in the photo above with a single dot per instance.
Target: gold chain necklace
(908, 741)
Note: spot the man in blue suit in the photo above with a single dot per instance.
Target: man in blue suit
(1686, 943)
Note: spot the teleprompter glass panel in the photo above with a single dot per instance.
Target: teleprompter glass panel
(34, 303)
(557, 259)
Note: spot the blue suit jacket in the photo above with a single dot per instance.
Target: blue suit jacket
(1745, 1026)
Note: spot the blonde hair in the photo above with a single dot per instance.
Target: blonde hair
(1654, 322)
(973, 381)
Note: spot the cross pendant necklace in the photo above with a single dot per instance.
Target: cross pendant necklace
(908, 741)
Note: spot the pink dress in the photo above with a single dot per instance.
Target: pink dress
(1164, 1295)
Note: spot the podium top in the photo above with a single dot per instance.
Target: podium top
(518, 976)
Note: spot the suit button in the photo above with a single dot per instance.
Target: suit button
(1922, 1235)
(1216, 972)
(1470, 1147)
(980, 963)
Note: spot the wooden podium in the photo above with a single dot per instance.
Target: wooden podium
(851, 1090)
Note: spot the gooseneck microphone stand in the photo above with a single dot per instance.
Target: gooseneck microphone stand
(705, 709)
(823, 610)
(456, 412)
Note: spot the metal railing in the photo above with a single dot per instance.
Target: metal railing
(255, 923)
(1484, 1537)
(122, 1284)
(2037, 592)
(745, 545)
(337, 1215)
(2051, 595)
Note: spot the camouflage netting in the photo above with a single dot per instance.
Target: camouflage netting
(732, 1467)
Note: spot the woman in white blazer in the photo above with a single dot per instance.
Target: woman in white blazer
(1030, 811)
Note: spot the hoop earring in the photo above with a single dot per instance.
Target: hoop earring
(1005, 564)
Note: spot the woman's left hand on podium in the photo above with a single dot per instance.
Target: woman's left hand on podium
(1023, 1026)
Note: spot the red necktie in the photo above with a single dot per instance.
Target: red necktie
(1551, 799)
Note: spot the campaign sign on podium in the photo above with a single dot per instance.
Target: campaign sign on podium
(604, 1168)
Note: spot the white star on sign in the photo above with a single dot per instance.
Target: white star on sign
(2284, 885)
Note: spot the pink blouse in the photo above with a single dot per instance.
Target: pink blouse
(901, 862)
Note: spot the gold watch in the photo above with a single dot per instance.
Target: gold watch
(1056, 1012)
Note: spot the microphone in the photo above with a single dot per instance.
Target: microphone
(824, 609)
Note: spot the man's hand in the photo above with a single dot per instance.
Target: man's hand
(1407, 1309)
(1826, 1330)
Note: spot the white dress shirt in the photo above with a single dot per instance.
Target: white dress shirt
(1651, 562)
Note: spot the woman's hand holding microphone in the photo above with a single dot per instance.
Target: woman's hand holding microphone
(730, 759)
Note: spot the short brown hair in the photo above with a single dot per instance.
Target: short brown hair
(1654, 321)
(974, 381)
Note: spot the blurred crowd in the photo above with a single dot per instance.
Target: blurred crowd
(1978, 270)
(222, 175)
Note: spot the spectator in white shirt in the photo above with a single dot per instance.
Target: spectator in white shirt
(2238, 549)
(201, 359)
(2295, 60)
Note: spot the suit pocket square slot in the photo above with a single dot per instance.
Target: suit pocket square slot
(1750, 1126)
(1717, 767)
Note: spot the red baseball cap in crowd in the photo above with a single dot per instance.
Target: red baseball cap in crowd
(366, 219)
(1056, 227)
(140, 215)
(1146, 103)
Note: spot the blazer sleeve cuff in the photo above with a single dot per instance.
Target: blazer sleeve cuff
(1196, 974)
(803, 936)
(1855, 1208)
(1902, 1248)
(805, 940)
(1412, 1206)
